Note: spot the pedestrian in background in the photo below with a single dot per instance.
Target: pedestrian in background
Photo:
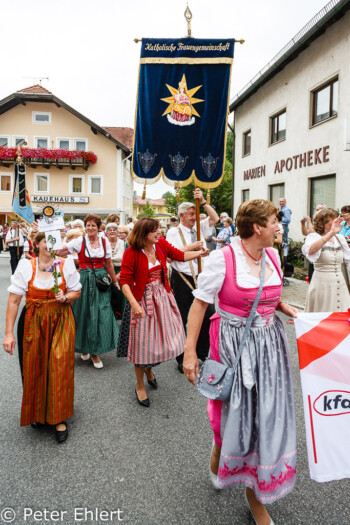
(152, 330)
(123, 232)
(345, 230)
(46, 335)
(14, 240)
(254, 430)
(327, 250)
(287, 216)
(174, 222)
(306, 228)
(118, 247)
(224, 235)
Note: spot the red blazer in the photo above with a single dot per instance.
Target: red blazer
(134, 270)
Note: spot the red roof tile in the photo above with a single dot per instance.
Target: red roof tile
(123, 135)
(152, 202)
(35, 90)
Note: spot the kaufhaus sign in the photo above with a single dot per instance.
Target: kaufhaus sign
(59, 199)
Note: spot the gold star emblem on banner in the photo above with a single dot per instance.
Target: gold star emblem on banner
(188, 92)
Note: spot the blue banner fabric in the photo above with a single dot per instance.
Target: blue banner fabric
(182, 110)
(21, 204)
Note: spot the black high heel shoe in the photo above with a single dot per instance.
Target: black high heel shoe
(61, 435)
(144, 403)
(153, 383)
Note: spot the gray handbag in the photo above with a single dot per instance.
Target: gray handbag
(216, 379)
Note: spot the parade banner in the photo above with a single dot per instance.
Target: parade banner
(324, 356)
(182, 110)
(21, 204)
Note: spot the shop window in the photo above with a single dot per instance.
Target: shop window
(278, 127)
(325, 102)
(276, 192)
(245, 195)
(247, 138)
(322, 190)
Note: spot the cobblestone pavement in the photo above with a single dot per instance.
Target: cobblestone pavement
(295, 293)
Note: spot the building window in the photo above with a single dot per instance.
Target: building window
(41, 117)
(247, 138)
(245, 195)
(95, 185)
(322, 191)
(63, 143)
(276, 192)
(278, 127)
(41, 182)
(5, 141)
(41, 142)
(19, 140)
(80, 144)
(76, 184)
(325, 102)
(6, 183)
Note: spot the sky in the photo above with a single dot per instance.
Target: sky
(86, 47)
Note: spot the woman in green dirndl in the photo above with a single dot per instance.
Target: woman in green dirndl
(96, 328)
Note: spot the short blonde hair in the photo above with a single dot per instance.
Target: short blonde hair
(256, 211)
(74, 234)
(322, 217)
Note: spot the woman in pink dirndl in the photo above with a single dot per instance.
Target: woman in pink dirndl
(254, 431)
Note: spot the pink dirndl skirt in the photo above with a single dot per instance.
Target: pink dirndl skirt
(160, 335)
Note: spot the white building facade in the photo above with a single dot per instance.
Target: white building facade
(292, 123)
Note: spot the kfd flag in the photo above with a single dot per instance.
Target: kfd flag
(324, 356)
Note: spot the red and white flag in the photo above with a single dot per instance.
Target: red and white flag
(324, 356)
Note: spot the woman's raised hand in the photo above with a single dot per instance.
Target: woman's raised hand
(9, 344)
(336, 225)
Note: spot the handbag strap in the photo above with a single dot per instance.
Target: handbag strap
(252, 311)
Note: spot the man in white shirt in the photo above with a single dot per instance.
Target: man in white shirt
(184, 274)
(15, 234)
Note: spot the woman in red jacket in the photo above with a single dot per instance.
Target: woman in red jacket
(152, 329)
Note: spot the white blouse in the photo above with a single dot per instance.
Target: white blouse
(210, 281)
(313, 237)
(24, 273)
(118, 252)
(74, 246)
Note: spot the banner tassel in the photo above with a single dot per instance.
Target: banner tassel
(177, 194)
(208, 196)
(144, 192)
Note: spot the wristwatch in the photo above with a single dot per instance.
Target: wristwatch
(204, 203)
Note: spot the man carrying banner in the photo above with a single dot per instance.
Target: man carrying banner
(184, 274)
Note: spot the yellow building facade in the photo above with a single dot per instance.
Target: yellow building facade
(160, 210)
(76, 187)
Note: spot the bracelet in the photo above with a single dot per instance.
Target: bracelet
(204, 203)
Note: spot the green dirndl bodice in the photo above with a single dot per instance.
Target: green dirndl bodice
(96, 328)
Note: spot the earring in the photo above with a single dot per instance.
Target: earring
(259, 233)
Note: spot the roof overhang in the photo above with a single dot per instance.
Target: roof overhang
(319, 27)
(22, 98)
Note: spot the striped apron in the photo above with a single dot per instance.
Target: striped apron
(48, 356)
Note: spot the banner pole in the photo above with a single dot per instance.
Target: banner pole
(198, 231)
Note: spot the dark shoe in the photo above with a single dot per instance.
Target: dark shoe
(36, 425)
(153, 383)
(144, 403)
(180, 368)
(61, 435)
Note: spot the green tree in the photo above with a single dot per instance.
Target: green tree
(220, 197)
(147, 211)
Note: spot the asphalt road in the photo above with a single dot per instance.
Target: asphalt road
(135, 465)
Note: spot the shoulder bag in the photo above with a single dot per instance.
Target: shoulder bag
(105, 283)
(216, 379)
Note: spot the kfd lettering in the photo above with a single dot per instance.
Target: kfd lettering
(336, 402)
